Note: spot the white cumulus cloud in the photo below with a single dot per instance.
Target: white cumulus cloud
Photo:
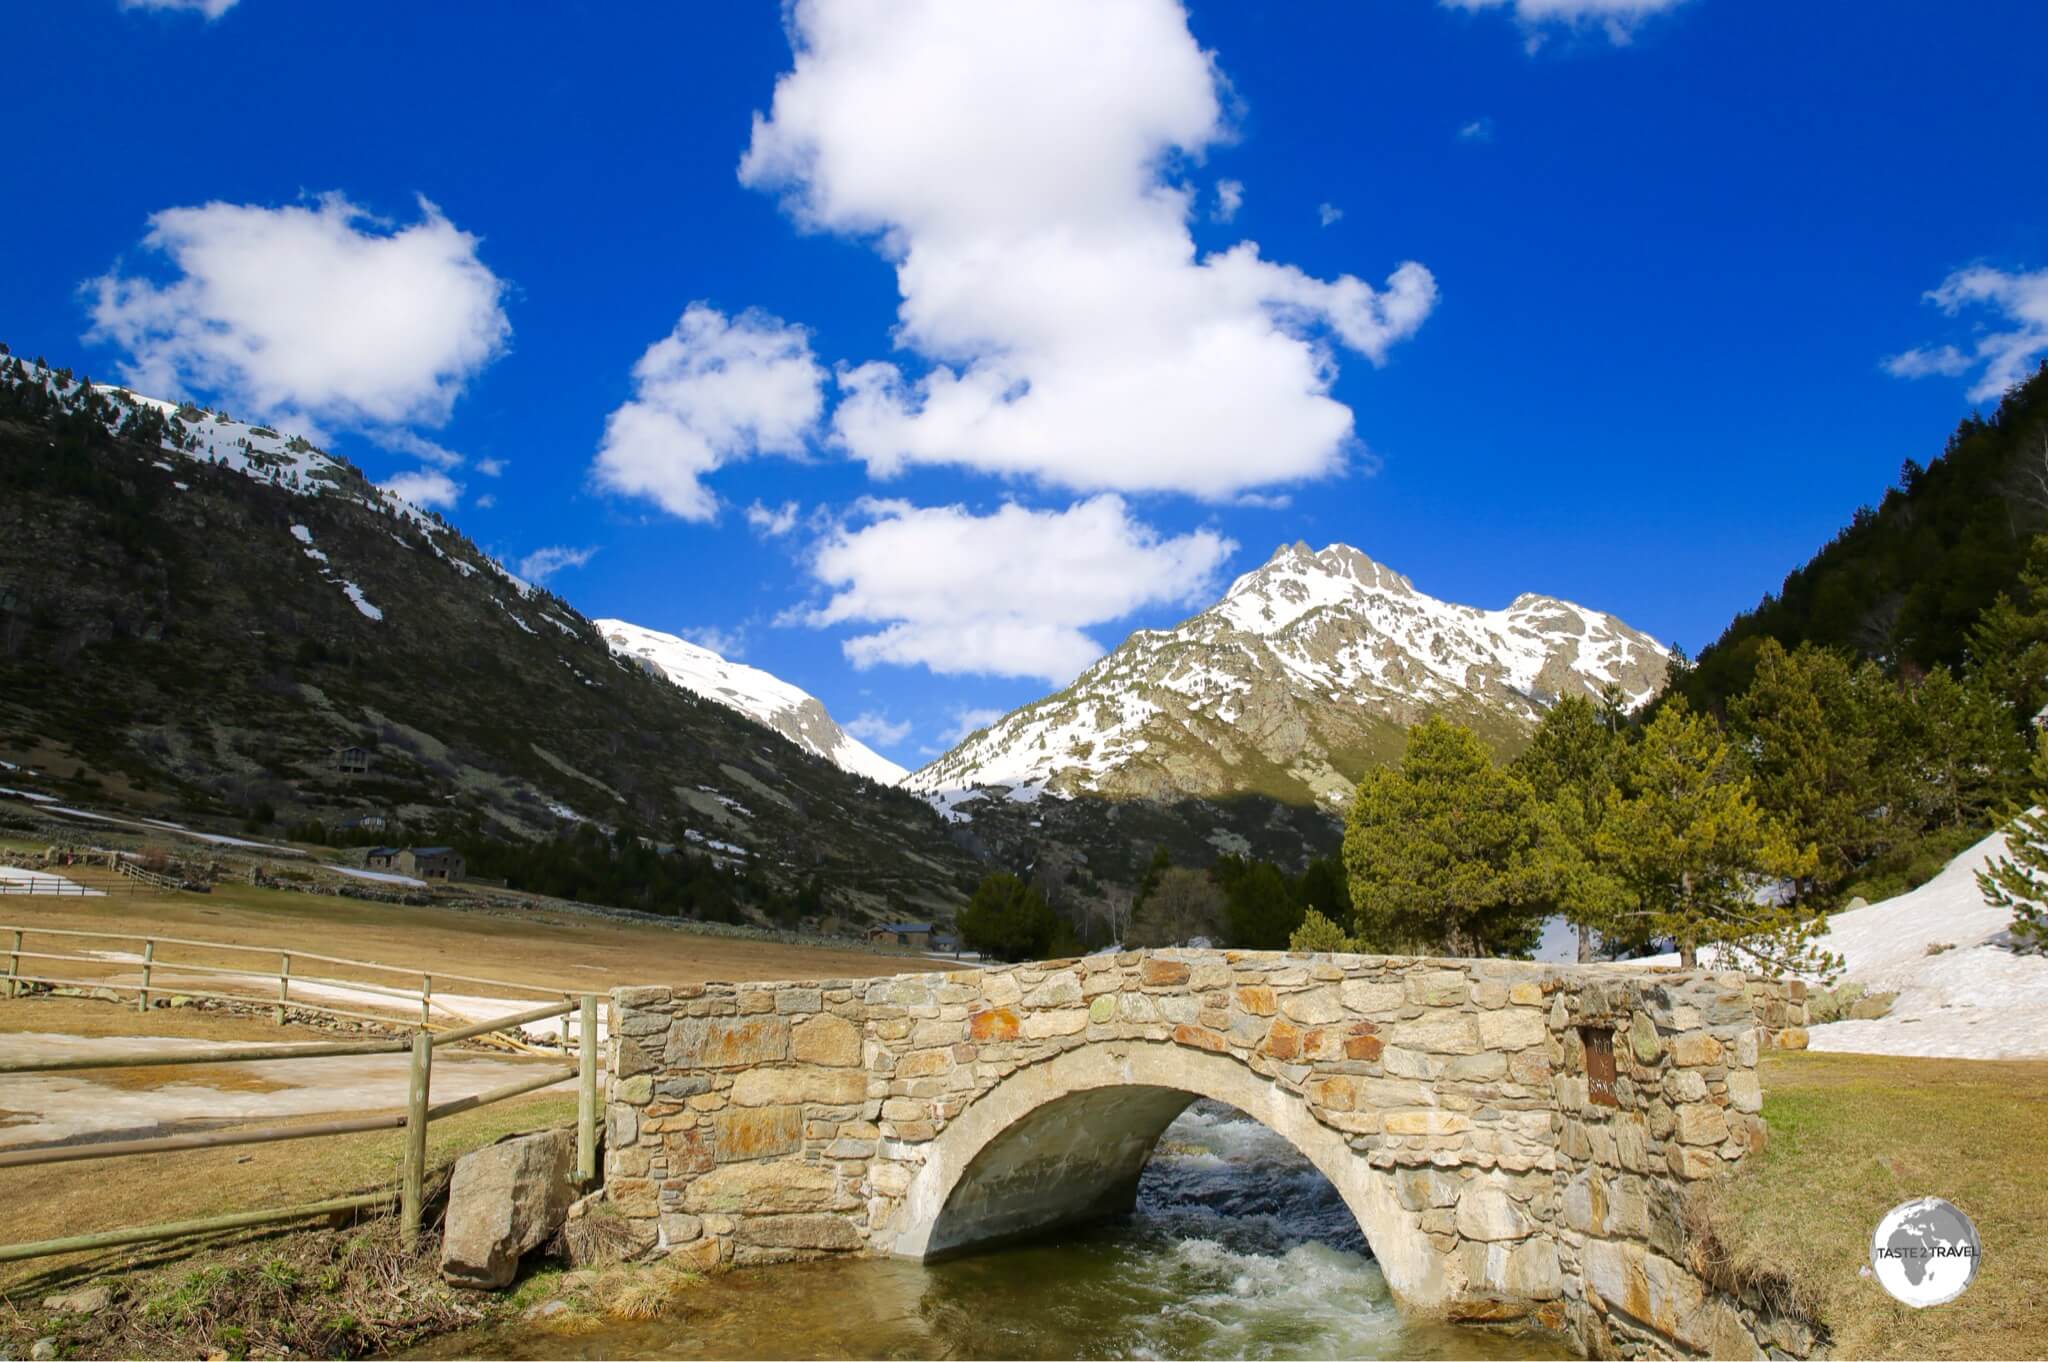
(1011, 593)
(1015, 161)
(772, 522)
(1229, 198)
(2008, 355)
(1328, 213)
(877, 729)
(425, 487)
(1616, 18)
(544, 563)
(212, 9)
(320, 312)
(713, 390)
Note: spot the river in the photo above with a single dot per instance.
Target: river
(1237, 1248)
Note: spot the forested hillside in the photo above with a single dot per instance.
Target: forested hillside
(1903, 583)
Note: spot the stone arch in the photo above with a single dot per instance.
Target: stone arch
(1085, 1121)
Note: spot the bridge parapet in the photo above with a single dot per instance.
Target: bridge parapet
(1514, 1138)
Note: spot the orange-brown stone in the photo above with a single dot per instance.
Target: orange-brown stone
(998, 1023)
(1157, 973)
(1258, 1000)
(1366, 1048)
(1283, 1041)
(1200, 1037)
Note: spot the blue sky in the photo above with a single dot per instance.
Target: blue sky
(1627, 301)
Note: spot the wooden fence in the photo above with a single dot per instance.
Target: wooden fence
(420, 1112)
(152, 965)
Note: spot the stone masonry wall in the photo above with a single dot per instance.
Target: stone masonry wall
(1451, 1102)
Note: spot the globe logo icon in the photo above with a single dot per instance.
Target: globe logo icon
(1925, 1252)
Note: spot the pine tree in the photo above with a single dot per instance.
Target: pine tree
(1441, 851)
(1318, 933)
(1966, 754)
(2008, 644)
(1260, 907)
(1700, 855)
(1572, 764)
(2019, 879)
(1008, 919)
(1822, 739)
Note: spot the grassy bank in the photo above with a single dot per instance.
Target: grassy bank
(1854, 1135)
(329, 1291)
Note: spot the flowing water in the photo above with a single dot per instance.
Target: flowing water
(1237, 1248)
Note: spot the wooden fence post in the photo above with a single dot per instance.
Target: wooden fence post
(148, 955)
(284, 987)
(586, 1096)
(426, 998)
(411, 1191)
(14, 966)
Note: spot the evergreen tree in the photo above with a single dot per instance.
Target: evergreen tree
(1323, 888)
(2008, 645)
(1822, 738)
(2019, 879)
(1441, 851)
(1260, 908)
(1700, 855)
(1318, 933)
(1008, 919)
(1572, 764)
(1966, 755)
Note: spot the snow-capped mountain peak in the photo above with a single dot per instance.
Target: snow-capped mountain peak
(1306, 672)
(762, 696)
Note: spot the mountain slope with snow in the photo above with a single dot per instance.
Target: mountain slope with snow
(762, 696)
(1307, 672)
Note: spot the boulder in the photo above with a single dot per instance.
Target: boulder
(504, 1201)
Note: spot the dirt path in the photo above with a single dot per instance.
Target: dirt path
(100, 1104)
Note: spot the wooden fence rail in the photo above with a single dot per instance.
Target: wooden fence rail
(420, 1112)
(284, 964)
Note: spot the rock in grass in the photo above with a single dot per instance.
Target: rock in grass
(85, 1301)
(502, 1202)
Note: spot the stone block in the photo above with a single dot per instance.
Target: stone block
(924, 1063)
(782, 1087)
(1061, 989)
(1701, 1123)
(1487, 1213)
(757, 1132)
(1314, 1007)
(995, 1024)
(1644, 1040)
(827, 1040)
(771, 1188)
(1427, 1122)
(1065, 1022)
(1257, 999)
(815, 1233)
(1156, 972)
(792, 1001)
(1337, 1093)
(1283, 1041)
(1512, 1029)
(1448, 1033)
(727, 1043)
(1373, 999)
(1745, 1092)
(1695, 1049)
(636, 1091)
(1200, 1038)
(1440, 988)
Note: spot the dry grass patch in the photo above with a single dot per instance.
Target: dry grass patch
(1854, 1135)
(59, 1200)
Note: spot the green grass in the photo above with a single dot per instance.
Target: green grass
(1851, 1136)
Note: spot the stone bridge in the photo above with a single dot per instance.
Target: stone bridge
(1514, 1139)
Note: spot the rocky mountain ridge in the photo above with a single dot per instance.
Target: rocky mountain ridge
(762, 696)
(1306, 673)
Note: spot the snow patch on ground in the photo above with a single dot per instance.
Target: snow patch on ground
(14, 880)
(379, 876)
(1978, 999)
